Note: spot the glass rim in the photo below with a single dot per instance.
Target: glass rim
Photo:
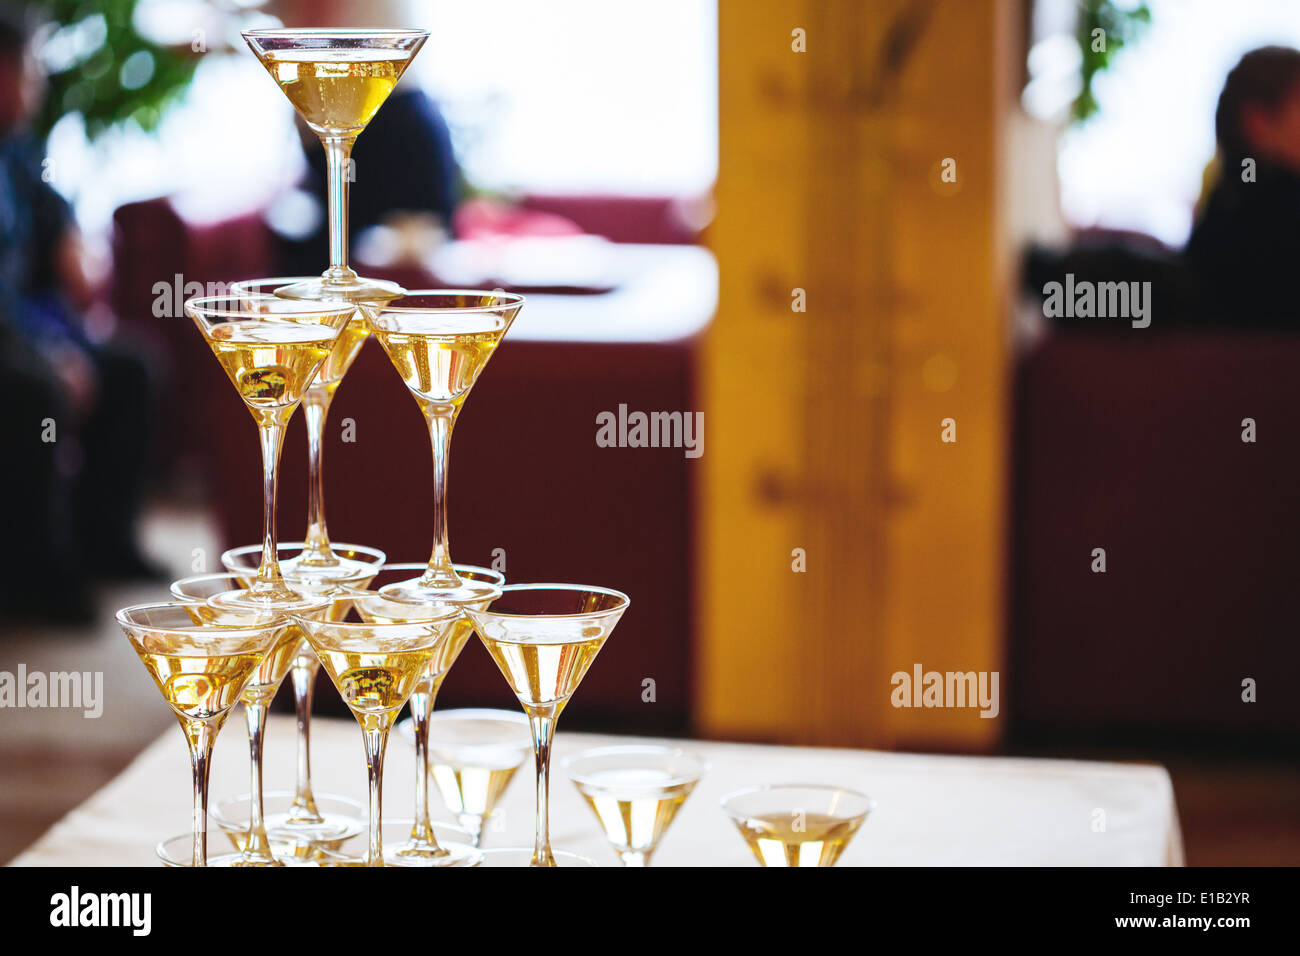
(308, 622)
(512, 300)
(205, 576)
(702, 763)
(591, 588)
(336, 33)
(122, 617)
(724, 800)
(242, 285)
(517, 717)
(200, 305)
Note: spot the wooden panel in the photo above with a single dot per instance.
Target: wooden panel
(824, 434)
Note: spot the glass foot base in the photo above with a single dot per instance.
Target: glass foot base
(178, 851)
(448, 854)
(396, 834)
(340, 819)
(279, 599)
(468, 592)
(359, 290)
(523, 856)
(353, 564)
(312, 570)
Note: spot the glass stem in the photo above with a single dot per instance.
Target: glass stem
(338, 152)
(634, 858)
(257, 847)
(422, 834)
(542, 724)
(271, 432)
(303, 674)
(316, 408)
(375, 731)
(201, 735)
(441, 573)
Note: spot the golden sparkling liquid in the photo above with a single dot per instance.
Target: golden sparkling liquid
(195, 685)
(376, 680)
(805, 839)
(439, 356)
(446, 655)
(337, 92)
(341, 358)
(634, 806)
(275, 664)
(472, 790)
(378, 610)
(543, 674)
(270, 363)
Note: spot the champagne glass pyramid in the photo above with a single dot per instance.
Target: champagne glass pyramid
(201, 667)
(271, 349)
(318, 558)
(440, 341)
(376, 666)
(544, 637)
(422, 847)
(337, 80)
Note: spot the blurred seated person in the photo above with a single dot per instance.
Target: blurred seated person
(1237, 267)
(405, 172)
(77, 413)
(1245, 245)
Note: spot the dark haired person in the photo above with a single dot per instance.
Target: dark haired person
(76, 413)
(1245, 245)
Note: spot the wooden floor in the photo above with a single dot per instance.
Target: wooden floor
(1238, 812)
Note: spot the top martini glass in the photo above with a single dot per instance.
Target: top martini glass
(337, 80)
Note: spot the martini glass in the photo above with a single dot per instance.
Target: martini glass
(337, 80)
(271, 349)
(635, 792)
(440, 342)
(422, 847)
(473, 756)
(260, 690)
(318, 558)
(797, 824)
(376, 665)
(201, 668)
(544, 637)
(310, 817)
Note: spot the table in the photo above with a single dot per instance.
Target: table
(932, 810)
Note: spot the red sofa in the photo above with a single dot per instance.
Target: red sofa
(1132, 442)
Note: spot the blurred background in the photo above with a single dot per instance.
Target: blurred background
(827, 226)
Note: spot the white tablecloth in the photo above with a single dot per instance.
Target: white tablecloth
(931, 810)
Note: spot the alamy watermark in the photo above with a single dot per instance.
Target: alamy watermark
(923, 688)
(626, 429)
(1101, 300)
(62, 689)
